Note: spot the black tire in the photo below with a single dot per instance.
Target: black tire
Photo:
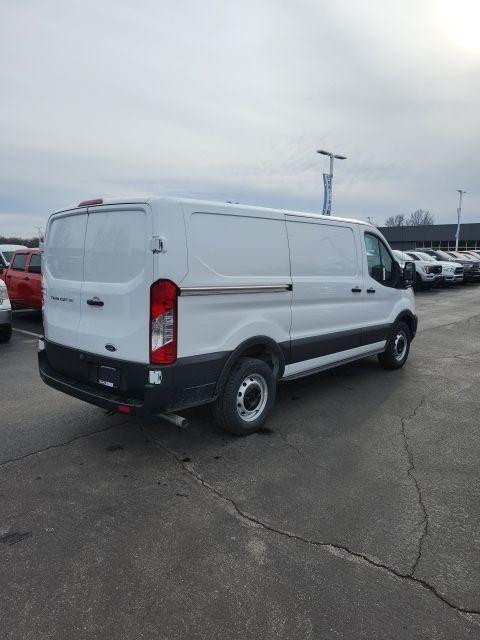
(398, 347)
(417, 285)
(250, 388)
(5, 333)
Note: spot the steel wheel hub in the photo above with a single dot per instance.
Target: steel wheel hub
(252, 397)
(400, 346)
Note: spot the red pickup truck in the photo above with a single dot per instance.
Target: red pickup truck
(24, 279)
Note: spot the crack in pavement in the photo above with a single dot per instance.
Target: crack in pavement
(411, 474)
(61, 444)
(297, 450)
(331, 547)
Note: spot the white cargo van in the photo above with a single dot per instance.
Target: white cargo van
(152, 306)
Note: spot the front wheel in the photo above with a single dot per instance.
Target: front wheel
(398, 348)
(247, 397)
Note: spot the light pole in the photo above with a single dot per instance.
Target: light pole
(459, 213)
(327, 181)
(39, 229)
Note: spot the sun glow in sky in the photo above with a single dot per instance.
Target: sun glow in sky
(461, 23)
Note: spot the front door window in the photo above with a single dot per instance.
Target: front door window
(379, 260)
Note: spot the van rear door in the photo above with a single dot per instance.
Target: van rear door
(63, 276)
(117, 275)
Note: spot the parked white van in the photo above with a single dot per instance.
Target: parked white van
(155, 305)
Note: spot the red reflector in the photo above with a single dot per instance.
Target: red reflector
(90, 203)
(124, 409)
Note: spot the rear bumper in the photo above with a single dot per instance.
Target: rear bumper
(187, 383)
(471, 276)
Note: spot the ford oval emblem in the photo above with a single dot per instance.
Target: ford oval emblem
(110, 347)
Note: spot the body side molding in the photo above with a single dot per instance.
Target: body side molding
(232, 289)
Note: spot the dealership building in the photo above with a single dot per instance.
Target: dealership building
(435, 236)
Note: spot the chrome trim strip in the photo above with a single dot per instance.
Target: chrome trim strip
(331, 365)
(216, 291)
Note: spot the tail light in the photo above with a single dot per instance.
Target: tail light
(163, 322)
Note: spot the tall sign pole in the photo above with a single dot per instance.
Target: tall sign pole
(459, 213)
(327, 182)
(327, 194)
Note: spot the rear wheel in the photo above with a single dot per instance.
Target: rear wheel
(247, 397)
(398, 347)
(5, 333)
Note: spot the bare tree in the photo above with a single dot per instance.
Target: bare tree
(395, 221)
(419, 217)
(27, 242)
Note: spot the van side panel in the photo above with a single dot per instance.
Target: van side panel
(230, 248)
(326, 266)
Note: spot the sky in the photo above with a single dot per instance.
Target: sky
(228, 100)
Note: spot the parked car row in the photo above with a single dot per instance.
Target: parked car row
(437, 267)
(150, 325)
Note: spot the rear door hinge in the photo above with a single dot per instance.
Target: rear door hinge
(157, 245)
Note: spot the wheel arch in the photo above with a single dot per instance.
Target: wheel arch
(410, 320)
(261, 347)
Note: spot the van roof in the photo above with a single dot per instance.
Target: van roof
(193, 201)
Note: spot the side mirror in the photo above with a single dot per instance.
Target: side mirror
(397, 274)
(408, 274)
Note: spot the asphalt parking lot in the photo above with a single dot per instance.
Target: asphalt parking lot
(354, 514)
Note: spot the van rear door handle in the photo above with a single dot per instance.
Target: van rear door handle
(356, 290)
(95, 302)
(370, 290)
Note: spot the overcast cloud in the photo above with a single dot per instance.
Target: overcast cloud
(229, 101)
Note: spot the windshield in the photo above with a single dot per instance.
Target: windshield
(412, 256)
(425, 256)
(400, 255)
(460, 256)
(443, 256)
(8, 256)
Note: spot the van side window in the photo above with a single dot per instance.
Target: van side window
(19, 261)
(379, 260)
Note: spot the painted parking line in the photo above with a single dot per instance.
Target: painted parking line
(28, 333)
